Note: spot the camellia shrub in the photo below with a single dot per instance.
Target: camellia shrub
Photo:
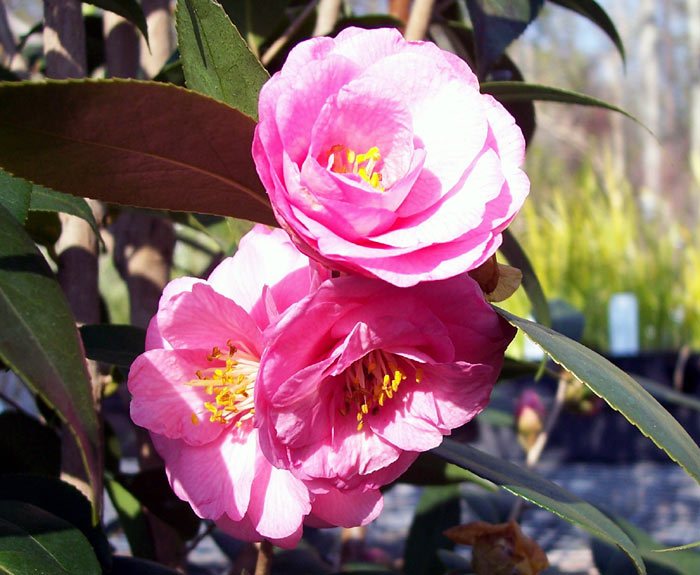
(346, 343)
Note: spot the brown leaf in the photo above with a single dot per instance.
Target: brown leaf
(500, 549)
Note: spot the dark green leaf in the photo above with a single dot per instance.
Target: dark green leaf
(46, 200)
(133, 566)
(59, 499)
(540, 491)
(618, 389)
(15, 195)
(8, 76)
(43, 227)
(517, 257)
(39, 450)
(438, 509)
(523, 91)
(128, 9)
(115, 344)
(608, 559)
(196, 157)
(595, 13)
(132, 519)
(496, 24)
(216, 60)
(40, 342)
(35, 542)
(429, 469)
(668, 394)
(256, 21)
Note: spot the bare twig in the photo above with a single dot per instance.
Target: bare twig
(419, 20)
(326, 16)
(281, 42)
(264, 564)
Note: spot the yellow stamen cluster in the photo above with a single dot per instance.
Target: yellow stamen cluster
(372, 380)
(343, 160)
(230, 383)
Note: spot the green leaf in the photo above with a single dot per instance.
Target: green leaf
(618, 389)
(46, 200)
(132, 519)
(128, 9)
(609, 562)
(540, 491)
(523, 92)
(595, 13)
(35, 542)
(62, 500)
(15, 195)
(496, 24)
(517, 257)
(429, 469)
(115, 344)
(39, 341)
(39, 451)
(438, 509)
(216, 60)
(668, 394)
(178, 150)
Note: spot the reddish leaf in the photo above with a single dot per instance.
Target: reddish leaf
(138, 143)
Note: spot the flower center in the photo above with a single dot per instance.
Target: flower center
(230, 383)
(373, 380)
(343, 160)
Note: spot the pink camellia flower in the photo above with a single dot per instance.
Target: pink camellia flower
(194, 390)
(360, 376)
(382, 158)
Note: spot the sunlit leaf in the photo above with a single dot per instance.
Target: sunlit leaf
(216, 60)
(524, 91)
(39, 341)
(540, 491)
(132, 519)
(178, 150)
(618, 389)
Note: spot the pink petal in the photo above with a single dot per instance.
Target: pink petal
(265, 258)
(215, 478)
(346, 508)
(163, 403)
(203, 318)
(279, 501)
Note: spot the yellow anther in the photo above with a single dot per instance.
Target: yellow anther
(365, 409)
(195, 419)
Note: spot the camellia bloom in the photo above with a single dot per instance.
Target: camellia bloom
(382, 158)
(194, 390)
(360, 376)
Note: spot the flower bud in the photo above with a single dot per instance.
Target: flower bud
(529, 418)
